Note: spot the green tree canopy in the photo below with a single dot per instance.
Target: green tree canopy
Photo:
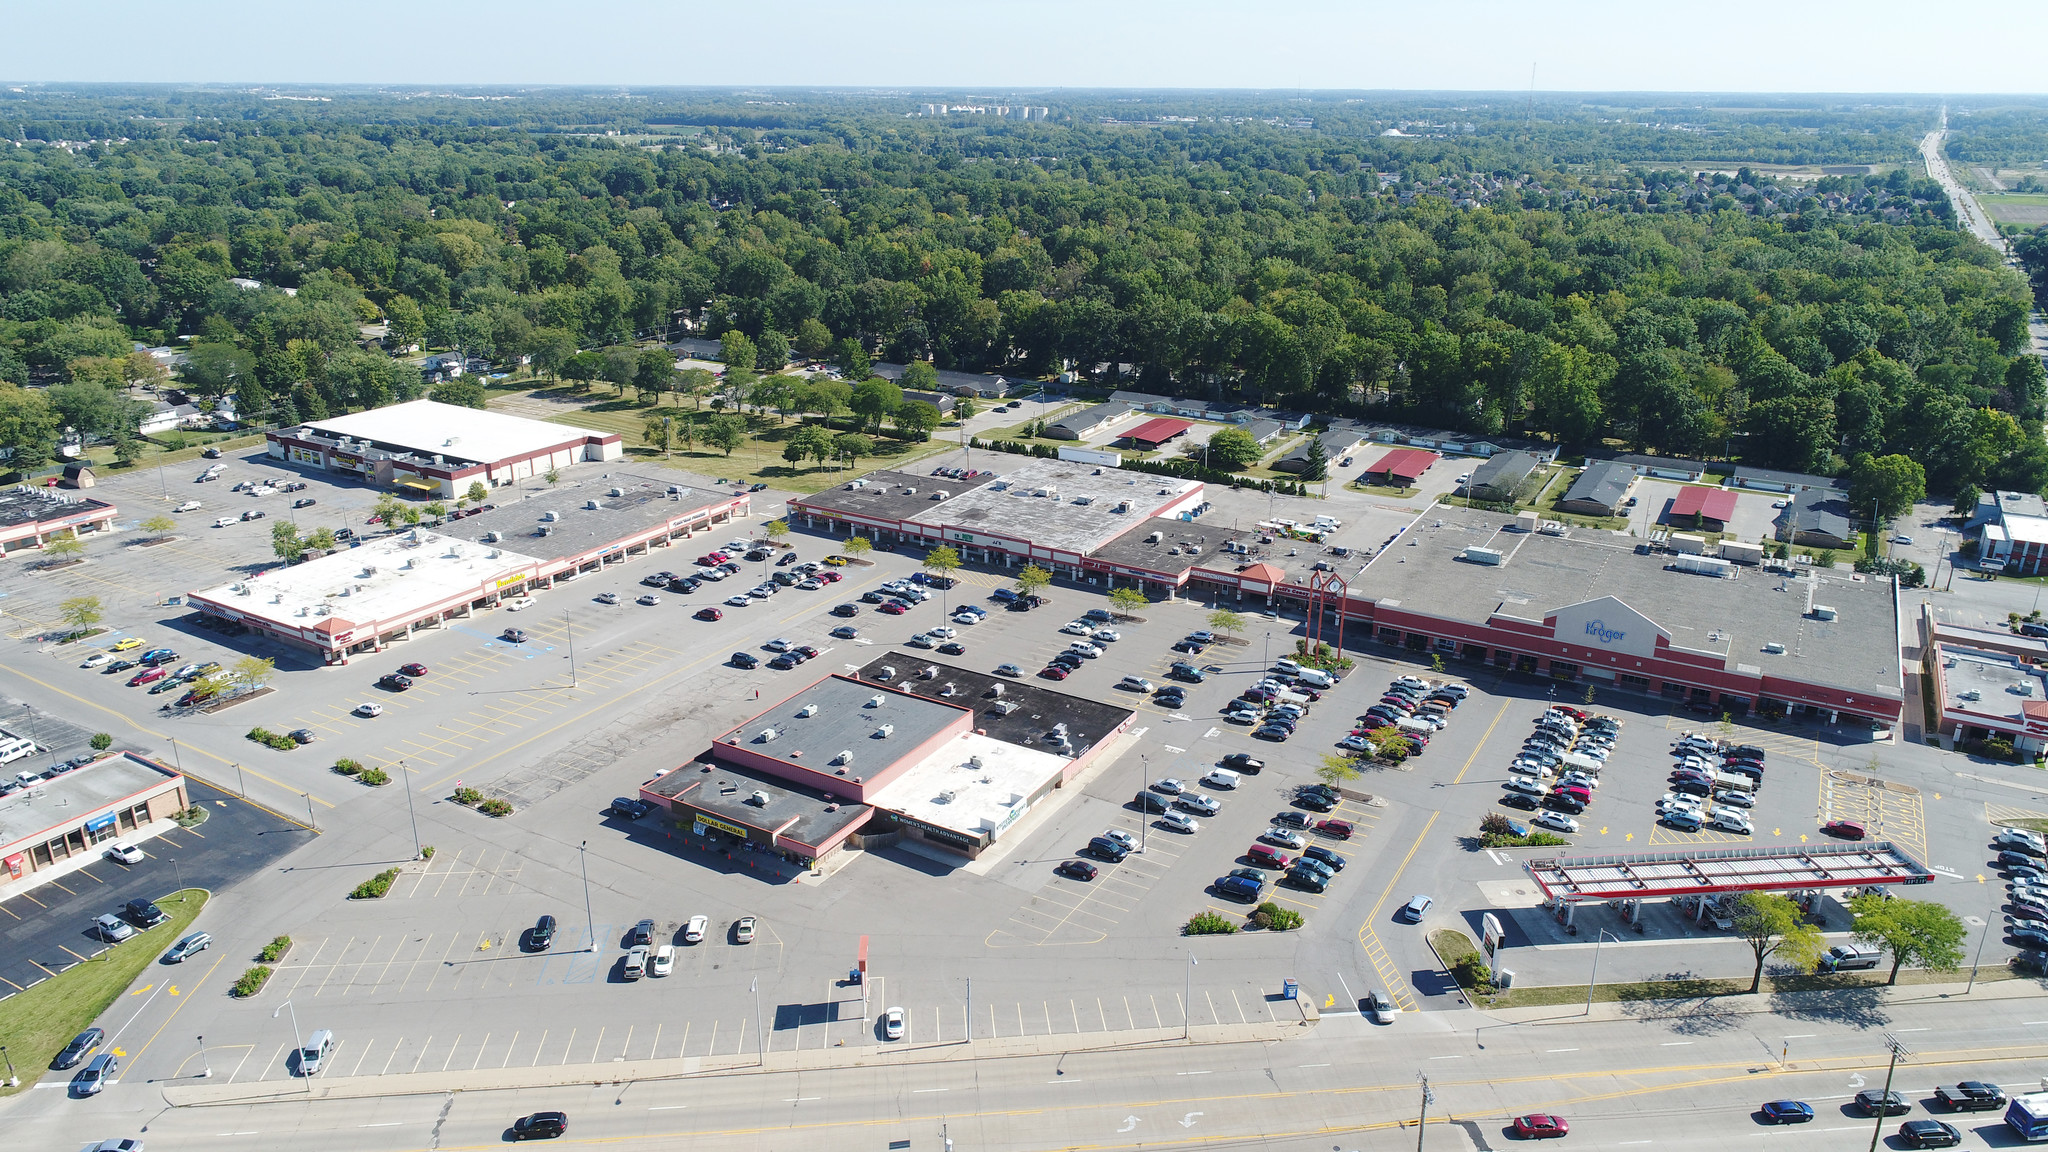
(1772, 925)
(1918, 932)
(1233, 450)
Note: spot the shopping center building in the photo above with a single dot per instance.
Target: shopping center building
(32, 517)
(69, 819)
(907, 749)
(439, 450)
(382, 591)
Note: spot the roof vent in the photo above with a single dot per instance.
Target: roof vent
(876, 701)
(550, 517)
(808, 710)
(759, 799)
(845, 757)
(616, 492)
(591, 505)
(767, 734)
(884, 731)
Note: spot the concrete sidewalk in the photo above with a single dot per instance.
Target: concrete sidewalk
(1761, 1003)
(194, 1093)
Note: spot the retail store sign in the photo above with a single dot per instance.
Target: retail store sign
(704, 822)
(1607, 625)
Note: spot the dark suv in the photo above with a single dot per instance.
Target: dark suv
(1108, 849)
(643, 934)
(146, 914)
(540, 1125)
(542, 937)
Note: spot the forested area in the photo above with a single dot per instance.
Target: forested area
(1500, 275)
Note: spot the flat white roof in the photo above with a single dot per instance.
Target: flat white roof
(453, 431)
(384, 580)
(1056, 504)
(974, 785)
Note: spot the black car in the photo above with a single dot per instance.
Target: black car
(788, 558)
(1517, 800)
(1315, 801)
(784, 662)
(1290, 819)
(1929, 1134)
(683, 585)
(2028, 935)
(1187, 672)
(848, 609)
(643, 935)
(1871, 1101)
(1150, 802)
(757, 554)
(542, 937)
(1078, 869)
(1274, 733)
(145, 914)
(872, 597)
(745, 660)
(394, 682)
(1110, 850)
(628, 807)
(1324, 856)
(540, 1125)
(1569, 805)
(81, 1046)
(1244, 762)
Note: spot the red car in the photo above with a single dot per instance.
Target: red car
(1053, 672)
(413, 669)
(710, 614)
(1538, 1126)
(712, 559)
(1341, 829)
(830, 577)
(1581, 716)
(148, 676)
(1845, 829)
(892, 608)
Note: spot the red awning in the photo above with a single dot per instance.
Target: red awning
(1712, 503)
(1158, 431)
(1407, 463)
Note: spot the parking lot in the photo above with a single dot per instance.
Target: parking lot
(47, 930)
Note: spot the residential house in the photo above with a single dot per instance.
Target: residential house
(1501, 476)
(1600, 490)
(1664, 467)
(1817, 518)
(1089, 422)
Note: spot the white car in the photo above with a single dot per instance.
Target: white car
(1077, 628)
(1464, 479)
(1556, 820)
(1380, 1009)
(711, 574)
(1588, 782)
(1678, 800)
(97, 659)
(1169, 786)
(1180, 822)
(1284, 838)
(1084, 649)
(811, 584)
(1221, 778)
(1108, 635)
(1411, 681)
(693, 932)
(1527, 767)
(650, 600)
(1241, 716)
(1525, 786)
(263, 490)
(1730, 821)
(516, 604)
(1735, 799)
(369, 709)
(892, 1024)
(966, 618)
(738, 601)
(664, 960)
(1902, 538)
(779, 644)
(224, 521)
(124, 852)
(188, 506)
(1357, 744)
(943, 633)
(1120, 836)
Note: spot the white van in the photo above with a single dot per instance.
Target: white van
(1581, 762)
(1733, 782)
(318, 1047)
(1405, 724)
(1316, 678)
(14, 749)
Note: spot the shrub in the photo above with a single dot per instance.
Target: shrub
(495, 808)
(275, 740)
(252, 981)
(347, 767)
(1272, 916)
(101, 741)
(375, 777)
(1535, 839)
(376, 886)
(1495, 824)
(427, 852)
(1472, 973)
(275, 950)
(467, 796)
(1208, 924)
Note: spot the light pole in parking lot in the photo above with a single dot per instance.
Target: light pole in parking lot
(1144, 786)
(13, 1081)
(590, 920)
(403, 772)
(298, 1040)
(1187, 1011)
(1979, 958)
(205, 1069)
(760, 1037)
(30, 712)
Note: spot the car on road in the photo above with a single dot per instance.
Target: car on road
(1929, 1133)
(1376, 1007)
(693, 932)
(191, 945)
(82, 1046)
(94, 1076)
(124, 852)
(540, 1126)
(1078, 869)
(1414, 909)
(1787, 1111)
(1540, 1126)
(1873, 1101)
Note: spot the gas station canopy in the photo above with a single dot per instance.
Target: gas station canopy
(1706, 871)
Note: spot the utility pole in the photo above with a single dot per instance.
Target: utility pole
(1898, 1050)
(1422, 1121)
(590, 919)
(970, 1010)
(571, 628)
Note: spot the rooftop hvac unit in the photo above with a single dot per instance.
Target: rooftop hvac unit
(591, 505)
(616, 492)
(808, 710)
(1972, 694)
(941, 494)
(1703, 565)
(1478, 555)
(1775, 648)
(910, 491)
(550, 517)
(876, 701)
(884, 731)
(759, 799)
(2024, 688)
(845, 756)
(1823, 612)
(974, 761)
(544, 530)
(767, 734)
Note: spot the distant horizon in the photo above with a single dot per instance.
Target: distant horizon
(1455, 46)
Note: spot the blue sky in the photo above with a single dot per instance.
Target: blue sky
(1870, 46)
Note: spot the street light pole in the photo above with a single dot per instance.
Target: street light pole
(241, 785)
(1188, 998)
(205, 1069)
(1898, 1050)
(590, 919)
(1144, 783)
(1422, 1121)
(1595, 975)
(403, 772)
(310, 818)
(30, 712)
(13, 1081)
(760, 1037)
(1979, 957)
(298, 1040)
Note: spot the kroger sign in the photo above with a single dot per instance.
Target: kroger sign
(1602, 632)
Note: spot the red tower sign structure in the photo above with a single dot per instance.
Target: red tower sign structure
(1326, 594)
